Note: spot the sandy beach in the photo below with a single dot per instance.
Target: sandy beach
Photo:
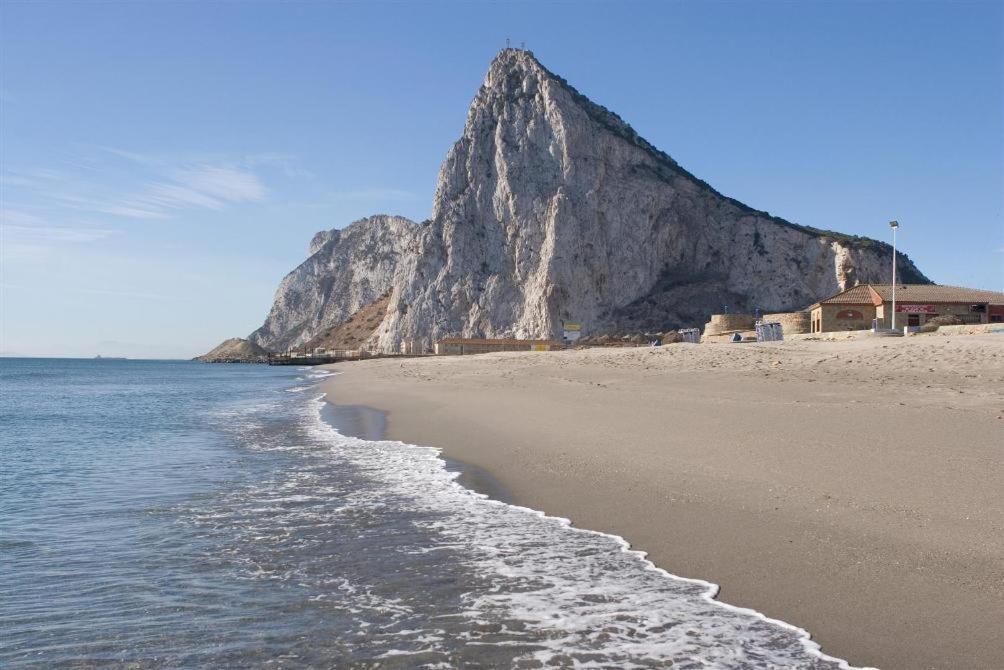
(852, 488)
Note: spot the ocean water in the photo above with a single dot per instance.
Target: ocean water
(179, 515)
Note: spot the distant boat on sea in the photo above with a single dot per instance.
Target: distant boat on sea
(99, 357)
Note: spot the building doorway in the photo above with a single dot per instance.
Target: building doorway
(913, 319)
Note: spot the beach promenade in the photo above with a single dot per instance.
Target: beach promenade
(851, 488)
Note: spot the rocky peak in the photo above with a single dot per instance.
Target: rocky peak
(346, 270)
(322, 238)
(548, 208)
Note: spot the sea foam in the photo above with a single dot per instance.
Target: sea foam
(569, 596)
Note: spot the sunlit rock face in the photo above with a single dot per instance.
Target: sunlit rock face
(347, 269)
(551, 208)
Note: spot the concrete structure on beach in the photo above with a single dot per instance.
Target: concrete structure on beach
(722, 324)
(792, 323)
(722, 327)
(916, 304)
(412, 346)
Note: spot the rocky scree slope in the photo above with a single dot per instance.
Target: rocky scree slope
(355, 331)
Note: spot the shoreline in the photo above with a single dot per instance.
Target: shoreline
(482, 482)
(370, 423)
(632, 443)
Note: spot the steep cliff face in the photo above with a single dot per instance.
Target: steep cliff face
(551, 208)
(347, 269)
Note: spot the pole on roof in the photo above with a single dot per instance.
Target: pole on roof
(894, 225)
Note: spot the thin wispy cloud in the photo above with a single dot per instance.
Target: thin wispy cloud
(289, 165)
(32, 178)
(32, 239)
(23, 230)
(96, 291)
(96, 204)
(123, 294)
(193, 187)
(128, 211)
(130, 155)
(11, 217)
(131, 185)
(209, 186)
(88, 198)
(21, 226)
(15, 234)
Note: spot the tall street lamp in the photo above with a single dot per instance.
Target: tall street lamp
(894, 225)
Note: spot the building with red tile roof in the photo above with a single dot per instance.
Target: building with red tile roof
(859, 307)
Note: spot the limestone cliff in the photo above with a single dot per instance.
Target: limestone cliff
(347, 269)
(550, 207)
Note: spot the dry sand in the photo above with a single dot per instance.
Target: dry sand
(853, 488)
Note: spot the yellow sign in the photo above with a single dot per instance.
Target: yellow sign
(538, 347)
(571, 326)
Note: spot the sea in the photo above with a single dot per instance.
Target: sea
(170, 514)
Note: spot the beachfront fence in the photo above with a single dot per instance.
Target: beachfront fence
(692, 335)
(769, 332)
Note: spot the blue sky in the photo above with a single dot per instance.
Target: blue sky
(164, 164)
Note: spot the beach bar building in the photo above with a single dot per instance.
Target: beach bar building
(458, 346)
(916, 304)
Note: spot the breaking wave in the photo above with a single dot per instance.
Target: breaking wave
(568, 596)
(173, 515)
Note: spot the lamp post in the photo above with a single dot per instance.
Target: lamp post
(894, 225)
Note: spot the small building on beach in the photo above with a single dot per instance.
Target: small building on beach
(916, 304)
(412, 346)
(726, 324)
(459, 346)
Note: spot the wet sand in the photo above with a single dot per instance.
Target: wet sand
(852, 488)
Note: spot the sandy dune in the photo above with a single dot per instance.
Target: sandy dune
(851, 488)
